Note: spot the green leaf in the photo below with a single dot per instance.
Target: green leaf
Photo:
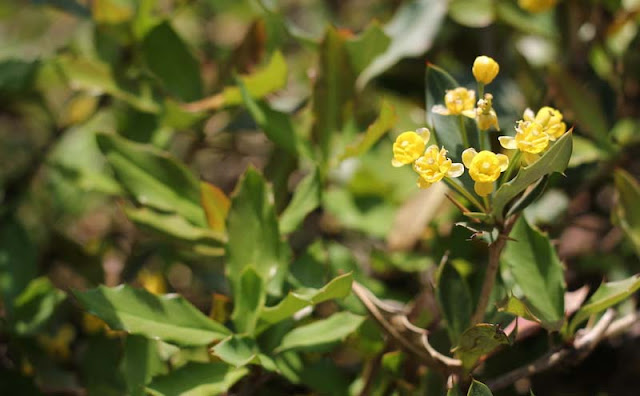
(97, 77)
(177, 229)
(141, 361)
(364, 48)
(254, 238)
(18, 261)
(197, 379)
(454, 391)
(479, 389)
(216, 206)
(169, 318)
(472, 13)
(322, 333)
(305, 199)
(412, 31)
(477, 341)
(168, 58)
(542, 24)
(584, 152)
(626, 210)
(35, 306)
(454, 299)
(237, 350)
(339, 287)
(556, 159)
(607, 295)
(516, 307)
(249, 298)
(266, 80)
(332, 91)
(153, 177)
(535, 267)
(385, 121)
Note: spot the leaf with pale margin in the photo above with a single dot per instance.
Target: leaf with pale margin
(170, 318)
(153, 177)
(197, 379)
(537, 270)
(478, 341)
(306, 198)
(556, 159)
(318, 335)
(607, 295)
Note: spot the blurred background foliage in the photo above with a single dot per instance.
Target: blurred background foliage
(105, 103)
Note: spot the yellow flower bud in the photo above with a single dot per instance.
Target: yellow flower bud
(486, 116)
(537, 5)
(485, 69)
(434, 165)
(409, 146)
(458, 101)
(484, 168)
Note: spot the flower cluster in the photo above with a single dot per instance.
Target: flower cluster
(534, 134)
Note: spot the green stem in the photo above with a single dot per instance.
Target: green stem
(485, 200)
(463, 130)
(481, 137)
(513, 163)
(480, 90)
(463, 191)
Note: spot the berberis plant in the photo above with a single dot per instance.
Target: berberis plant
(240, 198)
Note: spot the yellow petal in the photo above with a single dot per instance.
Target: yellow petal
(530, 158)
(529, 115)
(396, 164)
(423, 183)
(483, 189)
(424, 134)
(467, 156)
(456, 170)
(503, 162)
(508, 142)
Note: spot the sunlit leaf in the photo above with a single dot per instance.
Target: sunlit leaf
(305, 199)
(479, 389)
(322, 333)
(364, 48)
(516, 307)
(249, 297)
(385, 121)
(472, 13)
(197, 379)
(35, 306)
(268, 79)
(170, 318)
(141, 361)
(237, 350)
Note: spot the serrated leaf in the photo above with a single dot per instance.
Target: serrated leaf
(479, 389)
(412, 31)
(254, 237)
(153, 177)
(454, 299)
(168, 57)
(216, 206)
(556, 159)
(321, 333)
(478, 341)
(249, 297)
(535, 267)
(607, 295)
(385, 121)
(338, 287)
(626, 210)
(170, 318)
(364, 48)
(305, 199)
(197, 379)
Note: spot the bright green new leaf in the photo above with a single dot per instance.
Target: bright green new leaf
(153, 177)
(585, 151)
(556, 159)
(535, 267)
(412, 31)
(197, 379)
(479, 389)
(385, 121)
(177, 229)
(169, 58)
(270, 78)
(306, 198)
(18, 261)
(237, 350)
(322, 333)
(169, 318)
(607, 295)
(454, 299)
(216, 206)
(364, 48)
(627, 212)
(35, 306)
(141, 361)
(477, 341)
(254, 237)
(516, 307)
(339, 287)
(249, 297)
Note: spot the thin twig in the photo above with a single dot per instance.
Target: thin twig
(581, 347)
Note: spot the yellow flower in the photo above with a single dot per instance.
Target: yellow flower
(458, 101)
(486, 116)
(530, 139)
(434, 165)
(537, 5)
(484, 168)
(152, 281)
(409, 146)
(550, 119)
(58, 345)
(485, 69)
